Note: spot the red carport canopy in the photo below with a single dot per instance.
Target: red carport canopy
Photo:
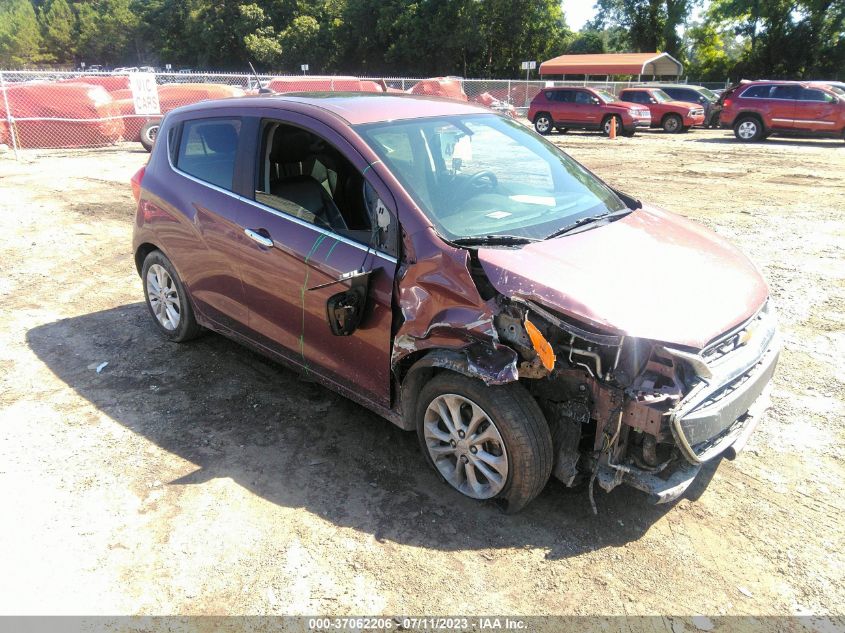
(613, 64)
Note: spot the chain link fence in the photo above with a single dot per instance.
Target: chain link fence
(45, 109)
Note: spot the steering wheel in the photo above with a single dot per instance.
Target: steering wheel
(482, 181)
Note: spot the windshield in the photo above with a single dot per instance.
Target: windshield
(482, 174)
(661, 96)
(607, 96)
(708, 93)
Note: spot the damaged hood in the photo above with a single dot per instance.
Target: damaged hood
(652, 274)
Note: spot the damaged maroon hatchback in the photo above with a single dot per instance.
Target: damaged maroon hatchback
(452, 271)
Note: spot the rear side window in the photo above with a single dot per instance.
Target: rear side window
(757, 92)
(208, 148)
(786, 92)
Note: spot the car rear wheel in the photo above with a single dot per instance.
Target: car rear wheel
(486, 442)
(149, 133)
(167, 300)
(607, 122)
(672, 124)
(748, 129)
(543, 123)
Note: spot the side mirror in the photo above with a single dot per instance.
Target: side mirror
(595, 101)
(652, 100)
(345, 310)
(383, 215)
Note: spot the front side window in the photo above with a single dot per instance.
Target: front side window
(810, 94)
(208, 148)
(584, 98)
(478, 175)
(634, 96)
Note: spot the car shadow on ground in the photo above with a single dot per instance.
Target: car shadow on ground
(235, 414)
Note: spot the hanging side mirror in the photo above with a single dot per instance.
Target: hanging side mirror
(345, 310)
(382, 216)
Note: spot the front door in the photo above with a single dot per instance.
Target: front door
(309, 224)
(816, 111)
(587, 110)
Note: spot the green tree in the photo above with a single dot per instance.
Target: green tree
(589, 41)
(58, 29)
(20, 37)
(651, 25)
(108, 32)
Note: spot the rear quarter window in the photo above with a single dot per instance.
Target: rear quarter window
(756, 92)
(207, 150)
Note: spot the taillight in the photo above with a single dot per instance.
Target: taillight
(727, 103)
(135, 181)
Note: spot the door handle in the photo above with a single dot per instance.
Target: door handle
(264, 240)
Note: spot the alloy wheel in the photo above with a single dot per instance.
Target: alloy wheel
(747, 130)
(163, 297)
(465, 446)
(542, 124)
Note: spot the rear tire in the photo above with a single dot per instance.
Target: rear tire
(672, 124)
(543, 123)
(149, 133)
(500, 431)
(167, 299)
(748, 129)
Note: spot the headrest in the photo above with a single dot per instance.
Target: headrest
(220, 137)
(293, 146)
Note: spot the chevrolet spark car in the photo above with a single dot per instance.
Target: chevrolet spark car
(455, 273)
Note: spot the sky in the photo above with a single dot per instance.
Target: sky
(577, 12)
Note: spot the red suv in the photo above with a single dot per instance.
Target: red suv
(585, 109)
(756, 109)
(672, 116)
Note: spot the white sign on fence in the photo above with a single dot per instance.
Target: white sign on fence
(144, 93)
(529, 65)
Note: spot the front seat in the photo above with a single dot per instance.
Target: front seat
(291, 179)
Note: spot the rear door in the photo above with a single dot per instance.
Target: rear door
(559, 105)
(781, 106)
(293, 258)
(816, 111)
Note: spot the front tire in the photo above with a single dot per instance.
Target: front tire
(543, 124)
(167, 299)
(605, 126)
(748, 129)
(672, 124)
(487, 442)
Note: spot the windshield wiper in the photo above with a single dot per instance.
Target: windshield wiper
(583, 222)
(493, 240)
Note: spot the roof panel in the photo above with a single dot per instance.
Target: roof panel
(613, 64)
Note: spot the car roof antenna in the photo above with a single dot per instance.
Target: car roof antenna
(262, 90)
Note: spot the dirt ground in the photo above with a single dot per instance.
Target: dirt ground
(203, 479)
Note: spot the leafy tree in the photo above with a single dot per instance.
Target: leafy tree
(652, 25)
(58, 28)
(20, 37)
(587, 42)
(107, 32)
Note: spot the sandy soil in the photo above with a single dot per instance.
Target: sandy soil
(203, 479)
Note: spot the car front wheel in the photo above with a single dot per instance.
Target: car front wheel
(167, 300)
(672, 124)
(748, 129)
(608, 122)
(543, 124)
(487, 442)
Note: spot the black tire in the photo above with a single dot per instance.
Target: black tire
(543, 123)
(672, 124)
(628, 133)
(187, 327)
(605, 124)
(749, 129)
(520, 423)
(562, 130)
(149, 133)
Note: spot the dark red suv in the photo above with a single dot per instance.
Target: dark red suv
(756, 109)
(457, 274)
(585, 109)
(673, 116)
